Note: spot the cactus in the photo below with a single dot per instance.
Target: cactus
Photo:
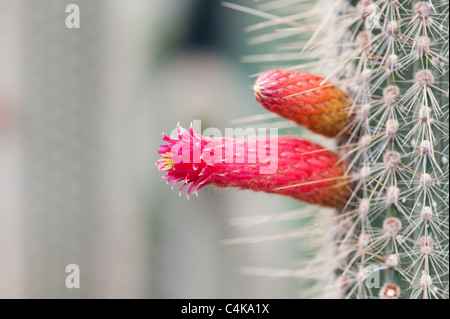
(393, 62)
(382, 95)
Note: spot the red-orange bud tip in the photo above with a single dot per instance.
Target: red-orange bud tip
(305, 99)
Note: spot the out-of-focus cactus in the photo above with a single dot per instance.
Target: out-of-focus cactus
(383, 97)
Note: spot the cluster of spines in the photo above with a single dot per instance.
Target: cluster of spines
(396, 73)
(391, 58)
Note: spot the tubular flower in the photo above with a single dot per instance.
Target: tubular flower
(282, 165)
(300, 97)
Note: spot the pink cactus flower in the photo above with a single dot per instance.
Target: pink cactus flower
(303, 170)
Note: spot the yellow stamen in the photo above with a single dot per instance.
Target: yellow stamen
(167, 161)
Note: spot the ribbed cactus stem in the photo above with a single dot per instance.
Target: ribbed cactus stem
(398, 76)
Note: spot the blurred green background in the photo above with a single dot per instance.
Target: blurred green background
(81, 117)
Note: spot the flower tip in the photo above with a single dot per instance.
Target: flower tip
(257, 88)
(262, 83)
(179, 130)
(304, 98)
(186, 171)
(191, 130)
